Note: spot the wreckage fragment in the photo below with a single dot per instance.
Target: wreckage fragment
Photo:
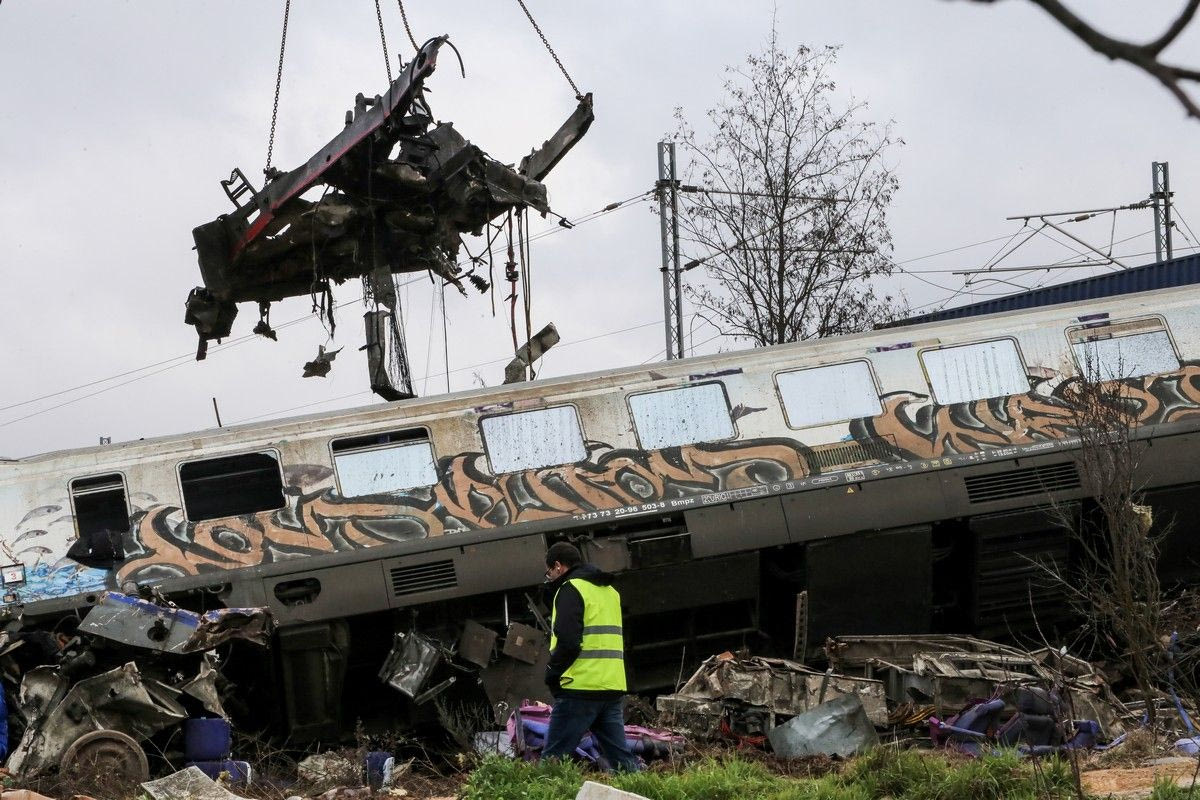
(143, 623)
(397, 193)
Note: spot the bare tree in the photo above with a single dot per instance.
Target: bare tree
(1117, 587)
(1146, 56)
(786, 200)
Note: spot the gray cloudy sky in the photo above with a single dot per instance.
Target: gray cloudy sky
(117, 119)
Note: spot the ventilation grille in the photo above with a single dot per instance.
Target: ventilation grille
(424, 578)
(856, 452)
(1022, 482)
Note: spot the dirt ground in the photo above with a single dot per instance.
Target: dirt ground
(1135, 781)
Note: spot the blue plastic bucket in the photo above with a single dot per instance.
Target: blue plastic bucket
(207, 739)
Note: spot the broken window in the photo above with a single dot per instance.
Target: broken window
(230, 486)
(822, 395)
(688, 415)
(101, 519)
(384, 462)
(534, 439)
(1123, 349)
(977, 371)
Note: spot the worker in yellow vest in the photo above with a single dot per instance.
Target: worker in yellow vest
(586, 673)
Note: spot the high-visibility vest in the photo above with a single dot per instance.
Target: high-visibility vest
(600, 665)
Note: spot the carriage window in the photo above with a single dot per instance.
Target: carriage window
(675, 417)
(101, 519)
(534, 439)
(384, 462)
(1123, 350)
(231, 486)
(821, 395)
(976, 371)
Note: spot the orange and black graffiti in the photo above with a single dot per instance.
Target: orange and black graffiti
(919, 429)
(468, 497)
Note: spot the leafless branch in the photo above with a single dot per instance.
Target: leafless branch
(1145, 56)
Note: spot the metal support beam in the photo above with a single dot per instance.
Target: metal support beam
(667, 189)
(1160, 194)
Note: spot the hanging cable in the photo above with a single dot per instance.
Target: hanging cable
(407, 29)
(510, 275)
(387, 60)
(554, 55)
(287, 10)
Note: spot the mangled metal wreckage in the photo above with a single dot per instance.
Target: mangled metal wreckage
(134, 668)
(393, 192)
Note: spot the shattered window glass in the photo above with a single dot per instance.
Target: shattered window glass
(675, 417)
(822, 395)
(534, 439)
(976, 371)
(1108, 357)
(231, 486)
(383, 463)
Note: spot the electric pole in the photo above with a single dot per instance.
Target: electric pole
(1160, 176)
(667, 189)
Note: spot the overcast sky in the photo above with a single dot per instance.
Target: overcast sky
(117, 120)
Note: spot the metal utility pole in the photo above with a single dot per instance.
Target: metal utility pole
(667, 189)
(1160, 177)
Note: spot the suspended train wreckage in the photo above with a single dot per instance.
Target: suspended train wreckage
(396, 189)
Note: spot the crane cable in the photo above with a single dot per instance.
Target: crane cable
(287, 10)
(554, 55)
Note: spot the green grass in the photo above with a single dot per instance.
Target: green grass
(900, 775)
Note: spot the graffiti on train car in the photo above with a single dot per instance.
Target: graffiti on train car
(921, 429)
(162, 544)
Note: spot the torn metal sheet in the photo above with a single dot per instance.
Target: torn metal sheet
(188, 784)
(950, 671)
(144, 623)
(837, 728)
(203, 687)
(778, 685)
(410, 663)
(120, 699)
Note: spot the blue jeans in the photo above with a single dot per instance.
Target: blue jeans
(572, 717)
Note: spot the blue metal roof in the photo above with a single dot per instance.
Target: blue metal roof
(1176, 272)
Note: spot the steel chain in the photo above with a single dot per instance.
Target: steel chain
(287, 10)
(387, 60)
(554, 55)
(407, 29)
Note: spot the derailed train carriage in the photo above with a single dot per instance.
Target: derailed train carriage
(897, 481)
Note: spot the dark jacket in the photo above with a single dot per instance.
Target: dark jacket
(567, 607)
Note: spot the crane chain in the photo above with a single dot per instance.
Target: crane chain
(387, 60)
(407, 29)
(554, 55)
(287, 10)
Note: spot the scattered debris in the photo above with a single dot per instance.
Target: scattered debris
(837, 728)
(319, 367)
(950, 672)
(599, 791)
(529, 724)
(726, 686)
(188, 784)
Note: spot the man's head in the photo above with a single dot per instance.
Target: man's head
(560, 558)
